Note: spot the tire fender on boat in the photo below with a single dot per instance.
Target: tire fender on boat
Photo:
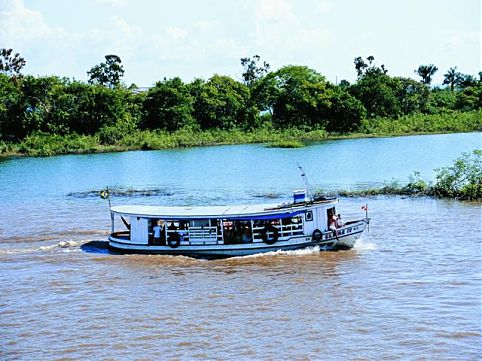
(174, 240)
(274, 237)
(316, 235)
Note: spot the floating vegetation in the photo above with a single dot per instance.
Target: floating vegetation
(123, 192)
(287, 144)
(270, 195)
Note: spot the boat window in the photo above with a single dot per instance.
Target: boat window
(237, 232)
(309, 216)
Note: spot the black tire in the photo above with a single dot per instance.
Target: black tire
(174, 240)
(264, 234)
(317, 235)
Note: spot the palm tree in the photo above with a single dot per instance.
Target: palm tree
(452, 77)
(426, 72)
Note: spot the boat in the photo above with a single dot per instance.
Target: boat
(229, 231)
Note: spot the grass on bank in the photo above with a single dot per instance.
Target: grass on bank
(287, 144)
(111, 139)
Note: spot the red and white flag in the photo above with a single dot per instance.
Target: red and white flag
(365, 207)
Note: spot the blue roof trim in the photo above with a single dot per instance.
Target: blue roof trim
(265, 217)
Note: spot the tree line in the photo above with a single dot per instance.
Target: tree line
(290, 97)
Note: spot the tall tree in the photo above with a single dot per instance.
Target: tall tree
(168, 105)
(253, 69)
(362, 68)
(467, 80)
(426, 72)
(222, 102)
(109, 73)
(452, 77)
(11, 65)
(298, 96)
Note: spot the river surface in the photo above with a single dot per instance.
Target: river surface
(410, 289)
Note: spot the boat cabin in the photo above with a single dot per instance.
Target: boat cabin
(221, 225)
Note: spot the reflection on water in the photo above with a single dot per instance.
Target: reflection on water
(410, 288)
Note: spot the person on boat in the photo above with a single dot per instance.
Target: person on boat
(332, 226)
(339, 221)
(157, 232)
(247, 235)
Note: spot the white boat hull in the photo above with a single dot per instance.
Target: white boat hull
(345, 239)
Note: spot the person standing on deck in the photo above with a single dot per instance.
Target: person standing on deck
(157, 233)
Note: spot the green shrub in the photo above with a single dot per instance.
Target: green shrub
(463, 179)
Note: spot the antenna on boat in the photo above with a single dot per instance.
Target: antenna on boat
(305, 180)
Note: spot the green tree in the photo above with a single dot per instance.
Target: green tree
(452, 77)
(11, 65)
(222, 103)
(467, 80)
(412, 96)
(344, 113)
(11, 111)
(469, 98)
(295, 96)
(426, 72)
(109, 73)
(370, 68)
(92, 107)
(168, 105)
(298, 96)
(378, 94)
(253, 70)
(441, 100)
(462, 179)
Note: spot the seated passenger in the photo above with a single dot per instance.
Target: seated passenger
(339, 221)
(247, 236)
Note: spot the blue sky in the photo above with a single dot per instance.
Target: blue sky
(189, 38)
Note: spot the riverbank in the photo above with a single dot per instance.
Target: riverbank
(115, 140)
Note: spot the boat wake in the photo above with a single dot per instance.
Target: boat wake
(297, 252)
(62, 246)
(362, 245)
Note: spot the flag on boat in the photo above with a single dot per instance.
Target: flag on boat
(365, 207)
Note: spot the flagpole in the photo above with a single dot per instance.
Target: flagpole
(108, 195)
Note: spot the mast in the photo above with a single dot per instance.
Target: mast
(305, 181)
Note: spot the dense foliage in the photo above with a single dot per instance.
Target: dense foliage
(292, 99)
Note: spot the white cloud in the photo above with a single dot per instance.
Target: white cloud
(324, 6)
(274, 11)
(283, 37)
(19, 26)
(176, 33)
(207, 25)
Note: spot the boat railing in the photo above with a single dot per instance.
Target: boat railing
(285, 230)
(122, 235)
(197, 235)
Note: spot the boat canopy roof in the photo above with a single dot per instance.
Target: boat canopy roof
(256, 211)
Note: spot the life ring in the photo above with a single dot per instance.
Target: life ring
(174, 240)
(317, 235)
(274, 237)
